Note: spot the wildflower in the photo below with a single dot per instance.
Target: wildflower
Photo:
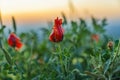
(110, 45)
(57, 31)
(95, 37)
(14, 41)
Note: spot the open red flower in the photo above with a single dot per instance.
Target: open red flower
(14, 41)
(95, 37)
(57, 31)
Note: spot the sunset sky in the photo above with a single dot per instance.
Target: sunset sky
(42, 10)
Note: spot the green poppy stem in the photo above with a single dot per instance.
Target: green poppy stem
(117, 52)
(7, 56)
(60, 57)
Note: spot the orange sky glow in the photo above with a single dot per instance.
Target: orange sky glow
(41, 10)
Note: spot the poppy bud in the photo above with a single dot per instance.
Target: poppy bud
(14, 41)
(110, 45)
(57, 31)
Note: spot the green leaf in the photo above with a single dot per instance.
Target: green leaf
(107, 65)
(65, 20)
(116, 70)
(82, 23)
(74, 25)
(1, 19)
(104, 22)
(2, 29)
(116, 43)
(94, 75)
(6, 66)
(14, 24)
(7, 56)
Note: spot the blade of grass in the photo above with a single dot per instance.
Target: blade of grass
(1, 19)
(14, 24)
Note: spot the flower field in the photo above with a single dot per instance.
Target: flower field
(64, 51)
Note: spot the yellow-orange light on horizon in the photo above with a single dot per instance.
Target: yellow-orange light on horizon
(33, 10)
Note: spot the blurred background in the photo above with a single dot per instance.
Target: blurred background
(33, 14)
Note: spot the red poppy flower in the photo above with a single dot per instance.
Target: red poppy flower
(14, 41)
(57, 31)
(95, 37)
